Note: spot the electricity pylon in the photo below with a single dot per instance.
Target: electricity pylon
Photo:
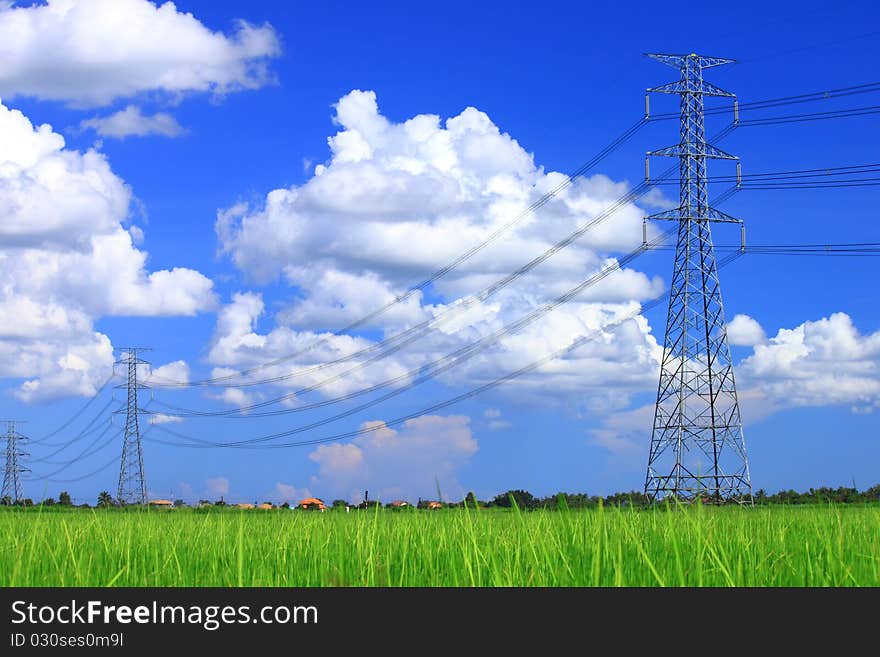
(14, 468)
(132, 484)
(697, 446)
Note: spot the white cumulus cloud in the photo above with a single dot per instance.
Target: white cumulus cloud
(161, 418)
(396, 201)
(131, 122)
(66, 260)
(823, 362)
(177, 371)
(90, 52)
(744, 331)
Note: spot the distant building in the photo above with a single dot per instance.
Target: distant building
(434, 505)
(312, 504)
(265, 505)
(399, 504)
(244, 506)
(161, 504)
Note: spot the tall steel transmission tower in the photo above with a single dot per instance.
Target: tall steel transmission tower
(14, 468)
(697, 446)
(132, 484)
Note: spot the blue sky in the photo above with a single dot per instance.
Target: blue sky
(251, 111)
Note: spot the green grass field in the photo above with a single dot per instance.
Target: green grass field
(698, 546)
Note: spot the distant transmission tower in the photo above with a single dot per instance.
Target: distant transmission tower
(132, 484)
(14, 469)
(697, 446)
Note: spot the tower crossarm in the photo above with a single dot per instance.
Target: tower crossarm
(676, 61)
(709, 214)
(693, 149)
(682, 86)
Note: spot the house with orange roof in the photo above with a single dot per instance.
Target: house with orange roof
(312, 504)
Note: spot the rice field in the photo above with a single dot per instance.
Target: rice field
(696, 546)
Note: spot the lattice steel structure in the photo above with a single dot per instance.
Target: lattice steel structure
(697, 447)
(14, 457)
(132, 484)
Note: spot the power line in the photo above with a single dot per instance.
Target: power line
(847, 250)
(871, 182)
(578, 342)
(87, 452)
(87, 430)
(79, 412)
(813, 116)
(829, 94)
(113, 460)
(85, 476)
(431, 370)
(848, 170)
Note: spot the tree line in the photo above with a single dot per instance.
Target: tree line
(525, 500)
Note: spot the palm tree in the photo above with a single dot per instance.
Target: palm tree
(105, 499)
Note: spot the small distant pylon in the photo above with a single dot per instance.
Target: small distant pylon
(132, 487)
(12, 491)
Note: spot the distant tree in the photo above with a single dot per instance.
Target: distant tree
(64, 499)
(6, 500)
(105, 500)
(572, 501)
(632, 498)
(179, 503)
(470, 500)
(220, 502)
(523, 499)
(48, 502)
(339, 504)
(285, 505)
